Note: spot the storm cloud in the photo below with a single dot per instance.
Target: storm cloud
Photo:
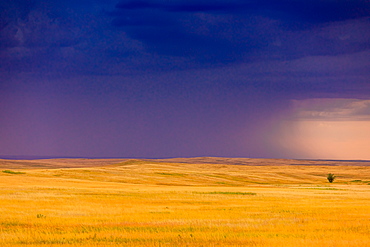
(156, 78)
(243, 31)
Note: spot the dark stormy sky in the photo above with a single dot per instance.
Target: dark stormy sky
(183, 78)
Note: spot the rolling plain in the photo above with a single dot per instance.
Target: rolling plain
(184, 202)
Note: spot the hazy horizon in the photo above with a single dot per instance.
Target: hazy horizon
(35, 157)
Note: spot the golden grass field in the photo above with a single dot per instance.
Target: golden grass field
(258, 202)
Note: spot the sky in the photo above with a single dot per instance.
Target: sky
(185, 78)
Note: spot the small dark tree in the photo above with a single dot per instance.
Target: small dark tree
(330, 177)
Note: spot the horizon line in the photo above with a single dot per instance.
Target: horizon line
(38, 157)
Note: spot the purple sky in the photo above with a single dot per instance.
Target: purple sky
(183, 78)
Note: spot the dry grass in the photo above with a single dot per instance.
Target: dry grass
(148, 203)
(56, 163)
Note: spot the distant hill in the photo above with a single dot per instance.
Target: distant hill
(57, 163)
(261, 162)
(82, 162)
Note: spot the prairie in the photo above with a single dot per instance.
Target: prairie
(198, 202)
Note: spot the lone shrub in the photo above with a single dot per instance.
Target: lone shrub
(330, 177)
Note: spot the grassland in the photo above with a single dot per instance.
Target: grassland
(152, 203)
